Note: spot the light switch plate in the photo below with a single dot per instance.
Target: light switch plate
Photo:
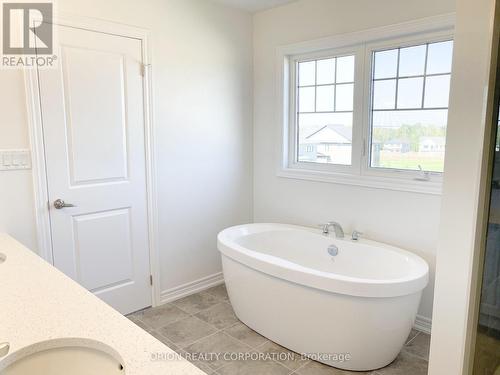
(11, 160)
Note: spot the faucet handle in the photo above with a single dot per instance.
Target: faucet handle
(324, 227)
(356, 235)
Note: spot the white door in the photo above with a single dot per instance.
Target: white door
(93, 125)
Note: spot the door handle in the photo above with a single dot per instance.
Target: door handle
(59, 203)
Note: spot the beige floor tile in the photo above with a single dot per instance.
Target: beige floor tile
(316, 368)
(419, 345)
(412, 335)
(185, 334)
(166, 341)
(196, 302)
(160, 316)
(219, 291)
(254, 368)
(221, 315)
(186, 331)
(205, 367)
(405, 364)
(217, 350)
(282, 355)
(246, 335)
(138, 322)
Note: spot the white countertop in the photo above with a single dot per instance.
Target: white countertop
(38, 303)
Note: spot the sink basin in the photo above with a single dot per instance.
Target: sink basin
(3, 257)
(63, 357)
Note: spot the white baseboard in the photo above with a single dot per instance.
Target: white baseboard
(184, 290)
(423, 324)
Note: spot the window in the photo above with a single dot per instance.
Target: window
(410, 87)
(374, 113)
(325, 94)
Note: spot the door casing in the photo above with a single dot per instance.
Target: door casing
(39, 173)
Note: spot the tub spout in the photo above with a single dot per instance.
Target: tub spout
(337, 228)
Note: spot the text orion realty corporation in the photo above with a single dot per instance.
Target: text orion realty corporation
(27, 35)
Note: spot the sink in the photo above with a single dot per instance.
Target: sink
(62, 357)
(3, 257)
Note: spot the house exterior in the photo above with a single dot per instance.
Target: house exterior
(330, 143)
(432, 144)
(397, 145)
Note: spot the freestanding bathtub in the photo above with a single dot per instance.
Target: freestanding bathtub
(353, 311)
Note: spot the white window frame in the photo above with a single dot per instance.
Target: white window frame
(358, 52)
(361, 45)
(434, 37)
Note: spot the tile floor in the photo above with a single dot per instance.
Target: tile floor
(205, 323)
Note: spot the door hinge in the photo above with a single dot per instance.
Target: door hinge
(151, 279)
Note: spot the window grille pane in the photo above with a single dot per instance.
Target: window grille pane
(412, 61)
(410, 93)
(306, 99)
(409, 139)
(307, 73)
(326, 71)
(384, 94)
(437, 89)
(439, 57)
(345, 69)
(325, 98)
(386, 64)
(345, 96)
(325, 138)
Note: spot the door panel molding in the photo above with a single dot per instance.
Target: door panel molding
(39, 170)
(79, 175)
(122, 232)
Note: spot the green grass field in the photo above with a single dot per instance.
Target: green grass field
(430, 161)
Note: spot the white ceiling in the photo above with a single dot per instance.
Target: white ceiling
(254, 5)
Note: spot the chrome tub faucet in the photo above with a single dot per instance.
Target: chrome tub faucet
(337, 228)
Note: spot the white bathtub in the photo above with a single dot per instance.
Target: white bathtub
(353, 311)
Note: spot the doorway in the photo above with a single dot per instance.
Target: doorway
(94, 142)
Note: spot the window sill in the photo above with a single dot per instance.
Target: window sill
(376, 182)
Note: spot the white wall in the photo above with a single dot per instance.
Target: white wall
(202, 71)
(16, 196)
(409, 220)
(203, 106)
